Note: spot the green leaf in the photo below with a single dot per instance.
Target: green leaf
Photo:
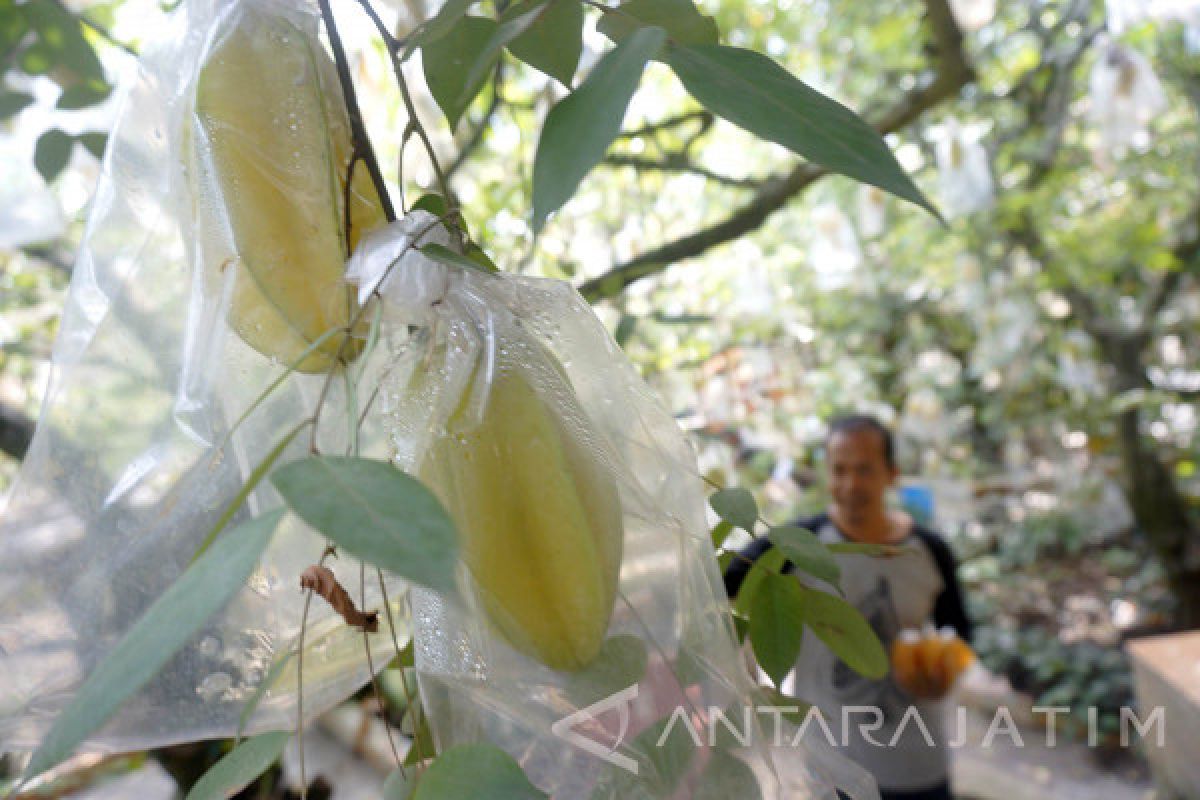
(415, 724)
(52, 153)
(433, 203)
(554, 42)
(661, 765)
(95, 142)
(844, 630)
(736, 506)
(476, 253)
(620, 664)
(682, 21)
(255, 477)
(261, 689)
(13, 27)
(397, 786)
(476, 770)
(720, 533)
(449, 60)
(239, 767)
(13, 103)
(625, 328)
(441, 24)
(61, 36)
(398, 687)
(777, 624)
(753, 92)
(511, 26)
(169, 624)
(726, 776)
(445, 255)
(797, 709)
(37, 59)
(82, 95)
(376, 512)
(769, 563)
(578, 130)
(805, 550)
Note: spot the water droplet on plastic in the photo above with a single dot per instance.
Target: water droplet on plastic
(214, 685)
(208, 646)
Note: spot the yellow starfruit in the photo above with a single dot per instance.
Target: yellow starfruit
(539, 514)
(271, 146)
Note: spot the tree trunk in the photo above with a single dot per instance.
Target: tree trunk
(1158, 507)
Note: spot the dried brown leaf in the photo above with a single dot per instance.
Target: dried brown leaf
(322, 581)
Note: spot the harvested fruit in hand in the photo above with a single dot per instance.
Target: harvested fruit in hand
(538, 511)
(270, 151)
(928, 663)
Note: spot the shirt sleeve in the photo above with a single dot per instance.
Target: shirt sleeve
(949, 608)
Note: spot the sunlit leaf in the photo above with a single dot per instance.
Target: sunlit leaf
(682, 21)
(448, 61)
(375, 512)
(578, 130)
(554, 42)
(239, 767)
(752, 91)
(476, 770)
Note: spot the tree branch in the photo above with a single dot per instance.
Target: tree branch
(953, 72)
(680, 164)
(705, 117)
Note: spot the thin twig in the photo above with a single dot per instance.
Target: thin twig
(409, 106)
(362, 588)
(408, 695)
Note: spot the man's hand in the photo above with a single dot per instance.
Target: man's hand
(928, 665)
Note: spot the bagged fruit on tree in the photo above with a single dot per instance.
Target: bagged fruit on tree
(590, 610)
(212, 259)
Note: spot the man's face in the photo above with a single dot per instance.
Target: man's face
(859, 474)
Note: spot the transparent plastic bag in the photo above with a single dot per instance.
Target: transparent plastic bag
(466, 334)
(1125, 96)
(136, 454)
(158, 412)
(835, 251)
(963, 170)
(973, 15)
(1124, 14)
(872, 211)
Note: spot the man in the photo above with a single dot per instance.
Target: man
(894, 594)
